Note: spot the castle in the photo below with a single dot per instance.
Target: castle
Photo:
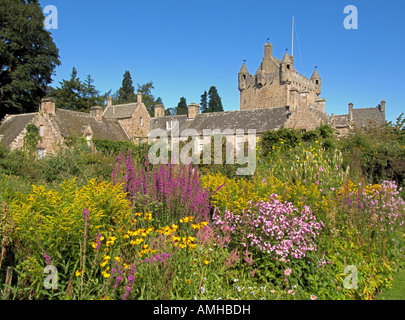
(275, 96)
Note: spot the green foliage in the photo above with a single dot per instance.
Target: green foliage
(28, 56)
(113, 148)
(182, 107)
(73, 94)
(214, 103)
(126, 93)
(306, 169)
(32, 137)
(204, 102)
(376, 153)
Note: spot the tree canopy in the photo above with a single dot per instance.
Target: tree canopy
(28, 56)
(215, 103)
(73, 94)
(182, 107)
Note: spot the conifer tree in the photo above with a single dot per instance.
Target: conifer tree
(126, 93)
(214, 104)
(72, 94)
(204, 102)
(182, 106)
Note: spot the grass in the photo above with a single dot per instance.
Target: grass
(397, 292)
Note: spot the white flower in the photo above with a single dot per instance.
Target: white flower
(202, 290)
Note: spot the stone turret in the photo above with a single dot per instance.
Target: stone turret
(287, 64)
(317, 80)
(243, 76)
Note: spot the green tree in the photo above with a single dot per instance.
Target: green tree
(204, 102)
(28, 56)
(182, 107)
(72, 94)
(90, 93)
(126, 93)
(214, 104)
(147, 97)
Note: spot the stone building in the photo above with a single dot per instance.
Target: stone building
(275, 96)
(277, 84)
(125, 122)
(357, 118)
(133, 117)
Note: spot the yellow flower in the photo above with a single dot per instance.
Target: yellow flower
(78, 273)
(188, 281)
(110, 241)
(118, 259)
(136, 242)
(206, 261)
(148, 216)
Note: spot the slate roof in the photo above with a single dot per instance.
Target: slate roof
(365, 116)
(72, 123)
(341, 120)
(13, 125)
(260, 119)
(120, 111)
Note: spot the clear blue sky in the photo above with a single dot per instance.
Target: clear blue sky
(186, 46)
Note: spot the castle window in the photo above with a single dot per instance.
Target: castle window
(244, 77)
(41, 131)
(288, 66)
(317, 81)
(141, 121)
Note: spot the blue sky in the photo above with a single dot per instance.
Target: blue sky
(186, 46)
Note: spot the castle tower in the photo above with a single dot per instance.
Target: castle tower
(276, 84)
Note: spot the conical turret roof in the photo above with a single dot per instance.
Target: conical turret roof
(244, 69)
(315, 75)
(286, 58)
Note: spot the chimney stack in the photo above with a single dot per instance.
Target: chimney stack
(97, 112)
(382, 106)
(350, 111)
(139, 97)
(159, 110)
(109, 102)
(48, 106)
(193, 110)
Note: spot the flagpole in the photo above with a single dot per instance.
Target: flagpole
(292, 38)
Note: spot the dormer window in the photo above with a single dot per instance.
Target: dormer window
(169, 125)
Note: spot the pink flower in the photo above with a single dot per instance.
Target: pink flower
(313, 297)
(287, 272)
